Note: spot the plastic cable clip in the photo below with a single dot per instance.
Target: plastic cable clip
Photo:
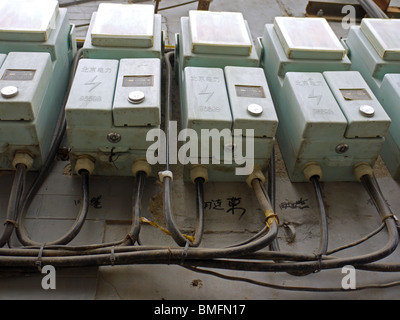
(185, 251)
(38, 262)
(112, 256)
(164, 174)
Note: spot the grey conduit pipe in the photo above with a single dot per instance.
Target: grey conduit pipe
(372, 9)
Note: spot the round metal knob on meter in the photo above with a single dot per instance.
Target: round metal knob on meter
(136, 97)
(367, 111)
(254, 109)
(9, 91)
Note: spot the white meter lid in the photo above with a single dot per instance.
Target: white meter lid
(219, 33)
(308, 38)
(123, 25)
(27, 20)
(384, 35)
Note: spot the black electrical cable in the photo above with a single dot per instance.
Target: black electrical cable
(272, 192)
(323, 245)
(260, 193)
(361, 261)
(272, 179)
(293, 288)
(75, 228)
(204, 257)
(178, 5)
(172, 227)
(355, 243)
(132, 254)
(156, 256)
(133, 235)
(167, 109)
(372, 9)
(178, 237)
(13, 202)
(199, 231)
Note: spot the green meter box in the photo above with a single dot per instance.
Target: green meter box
(99, 99)
(232, 115)
(37, 46)
(374, 49)
(328, 115)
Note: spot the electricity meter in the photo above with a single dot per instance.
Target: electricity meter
(374, 49)
(36, 49)
(328, 115)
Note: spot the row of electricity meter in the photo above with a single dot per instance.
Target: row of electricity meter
(332, 105)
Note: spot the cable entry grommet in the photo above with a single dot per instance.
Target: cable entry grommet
(256, 174)
(84, 163)
(22, 157)
(312, 169)
(141, 165)
(361, 169)
(198, 171)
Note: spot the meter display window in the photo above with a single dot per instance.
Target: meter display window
(250, 91)
(355, 94)
(138, 81)
(18, 75)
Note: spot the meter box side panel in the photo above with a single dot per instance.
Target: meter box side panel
(310, 109)
(137, 100)
(391, 156)
(90, 100)
(365, 116)
(251, 102)
(390, 90)
(206, 103)
(366, 59)
(383, 35)
(24, 80)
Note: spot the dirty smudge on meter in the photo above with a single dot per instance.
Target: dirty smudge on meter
(355, 94)
(18, 75)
